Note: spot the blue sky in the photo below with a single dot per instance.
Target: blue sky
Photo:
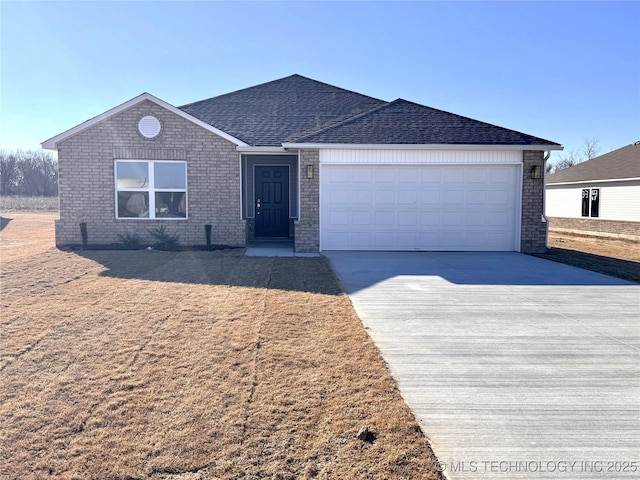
(561, 71)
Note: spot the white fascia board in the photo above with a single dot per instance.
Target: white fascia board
(52, 143)
(611, 180)
(431, 146)
(262, 150)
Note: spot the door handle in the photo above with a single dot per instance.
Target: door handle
(258, 205)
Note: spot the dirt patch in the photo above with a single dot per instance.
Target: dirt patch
(618, 258)
(191, 365)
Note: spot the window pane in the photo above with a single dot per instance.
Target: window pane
(595, 202)
(170, 175)
(133, 204)
(132, 175)
(171, 205)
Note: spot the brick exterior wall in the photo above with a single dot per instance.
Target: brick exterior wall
(595, 227)
(87, 189)
(533, 235)
(307, 227)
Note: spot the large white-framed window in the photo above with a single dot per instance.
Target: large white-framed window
(151, 189)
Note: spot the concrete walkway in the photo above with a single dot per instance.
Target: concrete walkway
(517, 367)
(275, 249)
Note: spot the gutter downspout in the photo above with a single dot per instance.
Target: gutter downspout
(544, 196)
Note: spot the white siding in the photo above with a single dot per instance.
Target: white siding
(618, 201)
(391, 157)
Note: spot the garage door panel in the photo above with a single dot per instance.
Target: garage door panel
(360, 218)
(362, 197)
(409, 176)
(429, 218)
(408, 219)
(475, 219)
(476, 198)
(385, 197)
(339, 218)
(339, 197)
(477, 175)
(429, 197)
(453, 197)
(418, 207)
(338, 176)
(500, 175)
(385, 175)
(407, 197)
(385, 219)
(453, 219)
(362, 175)
(500, 197)
(383, 239)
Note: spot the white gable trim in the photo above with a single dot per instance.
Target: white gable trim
(356, 146)
(52, 143)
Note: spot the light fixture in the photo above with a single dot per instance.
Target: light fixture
(309, 171)
(536, 172)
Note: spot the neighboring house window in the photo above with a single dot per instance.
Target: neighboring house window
(151, 189)
(595, 202)
(590, 202)
(585, 202)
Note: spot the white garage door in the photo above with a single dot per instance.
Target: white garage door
(418, 207)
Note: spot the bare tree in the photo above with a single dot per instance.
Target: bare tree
(588, 151)
(9, 173)
(28, 172)
(591, 148)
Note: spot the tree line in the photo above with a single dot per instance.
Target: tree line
(28, 172)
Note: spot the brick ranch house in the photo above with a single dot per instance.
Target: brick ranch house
(295, 158)
(598, 197)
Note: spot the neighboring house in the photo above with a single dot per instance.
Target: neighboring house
(601, 195)
(300, 159)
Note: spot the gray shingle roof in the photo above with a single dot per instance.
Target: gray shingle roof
(270, 113)
(621, 163)
(297, 109)
(404, 122)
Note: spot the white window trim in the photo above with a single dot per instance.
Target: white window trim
(151, 190)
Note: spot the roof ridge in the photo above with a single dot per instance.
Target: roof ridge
(339, 123)
(239, 90)
(260, 85)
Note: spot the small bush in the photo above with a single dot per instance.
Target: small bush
(130, 240)
(164, 240)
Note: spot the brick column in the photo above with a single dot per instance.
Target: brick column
(533, 236)
(307, 227)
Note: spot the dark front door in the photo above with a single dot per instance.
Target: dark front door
(272, 201)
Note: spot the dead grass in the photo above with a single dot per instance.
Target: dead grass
(618, 258)
(17, 203)
(191, 365)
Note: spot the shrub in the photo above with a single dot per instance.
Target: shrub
(164, 240)
(130, 240)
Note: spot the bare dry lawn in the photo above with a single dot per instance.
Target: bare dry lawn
(188, 365)
(615, 257)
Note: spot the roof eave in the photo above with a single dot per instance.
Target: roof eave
(428, 146)
(606, 180)
(252, 149)
(52, 143)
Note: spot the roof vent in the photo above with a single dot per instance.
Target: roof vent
(149, 126)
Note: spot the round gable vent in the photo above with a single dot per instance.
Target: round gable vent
(149, 126)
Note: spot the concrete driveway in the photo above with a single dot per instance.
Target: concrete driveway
(517, 367)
